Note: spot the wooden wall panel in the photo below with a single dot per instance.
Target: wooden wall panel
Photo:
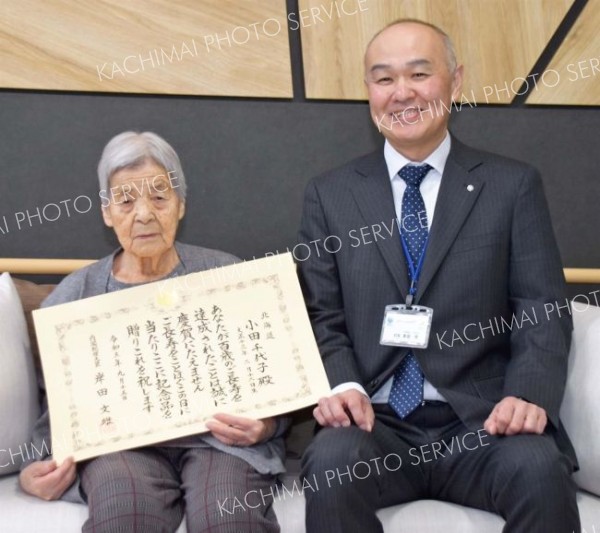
(497, 41)
(208, 47)
(576, 80)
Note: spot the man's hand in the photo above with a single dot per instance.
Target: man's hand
(239, 431)
(341, 409)
(46, 480)
(512, 416)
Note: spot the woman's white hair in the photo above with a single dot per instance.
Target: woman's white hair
(131, 149)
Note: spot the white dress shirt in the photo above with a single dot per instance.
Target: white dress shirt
(430, 187)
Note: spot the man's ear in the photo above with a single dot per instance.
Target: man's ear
(181, 209)
(106, 215)
(457, 79)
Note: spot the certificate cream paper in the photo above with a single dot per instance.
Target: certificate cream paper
(155, 362)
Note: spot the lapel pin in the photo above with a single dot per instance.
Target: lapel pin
(470, 188)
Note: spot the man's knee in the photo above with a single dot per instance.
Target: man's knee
(535, 462)
(337, 448)
(340, 463)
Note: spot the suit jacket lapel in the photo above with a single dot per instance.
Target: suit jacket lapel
(453, 205)
(373, 195)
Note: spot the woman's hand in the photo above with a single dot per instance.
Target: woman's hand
(239, 431)
(46, 480)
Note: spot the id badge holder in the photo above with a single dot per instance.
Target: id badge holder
(406, 326)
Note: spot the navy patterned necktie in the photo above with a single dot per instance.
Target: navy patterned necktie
(407, 386)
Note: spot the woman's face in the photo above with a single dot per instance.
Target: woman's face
(144, 210)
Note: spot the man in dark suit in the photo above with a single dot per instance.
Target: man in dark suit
(464, 235)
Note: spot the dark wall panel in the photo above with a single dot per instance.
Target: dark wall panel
(564, 144)
(247, 163)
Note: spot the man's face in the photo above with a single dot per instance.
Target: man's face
(144, 210)
(410, 87)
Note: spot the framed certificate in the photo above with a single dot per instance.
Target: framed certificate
(152, 363)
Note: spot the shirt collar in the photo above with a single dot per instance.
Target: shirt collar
(437, 159)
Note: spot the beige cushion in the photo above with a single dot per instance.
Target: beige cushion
(19, 407)
(32, 295)
(580, 411)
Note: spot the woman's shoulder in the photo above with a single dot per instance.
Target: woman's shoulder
(76, 285)
(197, 258)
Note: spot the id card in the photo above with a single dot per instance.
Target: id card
(406, 327)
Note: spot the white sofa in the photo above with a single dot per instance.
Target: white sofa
(20, 513)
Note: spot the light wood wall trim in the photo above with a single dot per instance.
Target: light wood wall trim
(576, 80)
(73, 46)
(582, 275)
(498, 41)
(42, 266)
(66, 266)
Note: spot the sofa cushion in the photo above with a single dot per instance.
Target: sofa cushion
(427, 516)
(22, 513)
(579, 411)
(32, 295)
(19, 407)
(432, 516)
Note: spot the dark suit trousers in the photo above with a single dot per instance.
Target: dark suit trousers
(431, 454)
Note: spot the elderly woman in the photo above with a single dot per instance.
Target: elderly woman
(147, 489)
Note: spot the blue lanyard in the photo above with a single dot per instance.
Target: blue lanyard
(413, 272)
